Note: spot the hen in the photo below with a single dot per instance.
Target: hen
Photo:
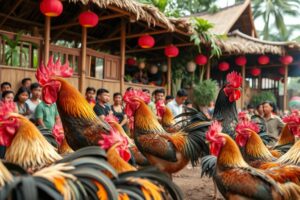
(81, 125)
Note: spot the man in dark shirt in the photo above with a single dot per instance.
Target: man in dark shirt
(101, 109)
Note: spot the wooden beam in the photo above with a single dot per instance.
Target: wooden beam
(83, 61)
(21, 20)
(47, 39)
(122, 50)
(159, 48)
(129, 36)
(169, 74)
(285, 88)
(11, 11)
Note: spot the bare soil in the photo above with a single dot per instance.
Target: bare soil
(193, 186)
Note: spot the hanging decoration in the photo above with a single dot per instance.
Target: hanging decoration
(191, 66)
(51, 8)
(223, 66)
(164, 68)
(263, 60)
(131, 61)
(201, 59)
(241, 61)
(146, 41)
(171, 51)
(88, 19)
(286, 60)
(153, 69)
(255, 71)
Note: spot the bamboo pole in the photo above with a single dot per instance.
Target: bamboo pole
(122, 50)
(285, 94)
(83, 60)
(169, 76)
(47, 39)
(243, 86)
(208, 70)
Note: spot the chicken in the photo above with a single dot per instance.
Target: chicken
(167, 118)
(81, 125)
(235, 179)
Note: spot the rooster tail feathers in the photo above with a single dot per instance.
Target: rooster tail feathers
(290, 191)
(208, 166)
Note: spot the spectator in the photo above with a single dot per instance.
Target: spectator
(158, 94)
(118, 111)
(146, 90)
(34, 101)
(250, 110)
(129, 88)
(259, 110)
(273, 122)
(8, 96)
(90, 96)
(176, 104)
(169, 98)
(101, 109)
(20, 99)
(46, 115)
(5, 86)
(26, 82)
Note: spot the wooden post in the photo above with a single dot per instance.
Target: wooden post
(285, 94)
(243, 87)
(169, 76)
(83, 60)
(208, 70)
(123, 53)
(47, 39)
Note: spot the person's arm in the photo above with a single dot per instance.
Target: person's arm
(124, 121)
(39, 116)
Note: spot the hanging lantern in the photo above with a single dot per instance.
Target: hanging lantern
(263, 60)
(223, 66)
(164, 68)
(142, 65)
(171, 51)
(191, 66)
(255, 71)
(131, 61)
(51, 8)
(286, 60)
(201, 59)
(88, 19)
(146, 41)
(241, 61)
(281, 70)
(153, 69)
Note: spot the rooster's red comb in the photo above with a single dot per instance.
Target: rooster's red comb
(131, 94)
(243, 115)
(294, 117)
(213, 132)
(246, 125)
(45, 73)
(234, 79)
(6, 108)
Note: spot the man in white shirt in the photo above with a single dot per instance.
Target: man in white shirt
(33, 102)
(176, 105)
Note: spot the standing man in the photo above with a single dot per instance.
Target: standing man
(90, 96)
(101, 108)
(274, 123)
(158, 94)
(35, 100)
(176, 105)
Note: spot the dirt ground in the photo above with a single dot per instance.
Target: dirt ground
(193, 186)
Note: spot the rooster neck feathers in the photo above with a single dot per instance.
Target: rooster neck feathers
(29, 148)
(286, 136)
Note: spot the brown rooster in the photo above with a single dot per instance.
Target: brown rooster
(81, 125)
(235, 179)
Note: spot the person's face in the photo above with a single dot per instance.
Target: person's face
(104, 97)
(267, 109)
(90, 95)
(250, 110)
(5, 88)
(23, 97)
(8, 98)
(37, 93)
(181, 100)
(159, 96)
(118, 100)
(27, 84)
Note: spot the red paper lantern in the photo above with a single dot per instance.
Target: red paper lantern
(263, 60)
(223, 66)
(88, 19)
(171, 51)
(241, 61)
(131, 61)
(281, 70)
(146, 41)
(255, 71)
(51, 8)
(201, 59)
(286, 60)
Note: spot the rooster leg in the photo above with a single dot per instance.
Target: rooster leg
(215, 197)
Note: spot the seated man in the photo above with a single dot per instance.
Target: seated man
(46, 115)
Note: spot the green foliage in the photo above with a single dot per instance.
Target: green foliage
(202, 34)
(160, 4)
(205, 92)
(263, 96)
(128, 78)
(187, 7)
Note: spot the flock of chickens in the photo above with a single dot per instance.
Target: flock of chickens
(94, 159)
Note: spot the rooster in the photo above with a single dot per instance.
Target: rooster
(166, 116)
(235, 179)
(81, 125)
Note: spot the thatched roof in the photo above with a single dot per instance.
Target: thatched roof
(239, 43)
(136, 10)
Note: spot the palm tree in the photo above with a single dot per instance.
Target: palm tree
(275, 9)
